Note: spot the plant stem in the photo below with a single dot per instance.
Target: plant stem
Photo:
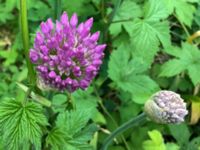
(25, 37)
(137, 120)
(57, 9)
(70, 103)
(110, 116)
(36, 97)
(183, 26)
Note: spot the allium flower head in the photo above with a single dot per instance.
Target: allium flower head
(166, 107)
(66, 54)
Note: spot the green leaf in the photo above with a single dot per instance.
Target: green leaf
(172, 146)
(194, 144)
(5, 15)
(128, 75)
(187, 58)
(56, 138)
(156, 141)
(127, 11)
(71, 127)
(183, 9)
(21, 124)
(155, 10)
(10, 4)
(10, 56)
(81, 7)
(180, 136)
(138, 136)
(148, 33)
(172, 67)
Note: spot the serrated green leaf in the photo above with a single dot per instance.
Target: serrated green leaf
(127, 11)
(183, 10)
(187, 59)
(146, 36)
(155, 10)
(56, 139)
(21, 124)
(72, 127)
(172, 67)
(127, 74)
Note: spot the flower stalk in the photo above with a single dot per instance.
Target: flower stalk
(131, 123)
(25, 38)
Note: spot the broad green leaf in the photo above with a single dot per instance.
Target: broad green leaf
(72, 127)
(56, 139)
(172, 67)
(194, 144)
(10, 56)
(180, 136)
(127, 11)
(146, 35)
(21, 124)
(10, 4)
(188, 59)
(156, 141)
(138, 136)
(128, 75)
(172, 146)
(144, 40)
(155, 10)
(5, 15)
(183, 9)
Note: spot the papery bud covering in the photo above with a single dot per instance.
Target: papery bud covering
(66, 56)
(166, 107)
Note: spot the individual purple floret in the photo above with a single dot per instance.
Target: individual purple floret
(66, 54)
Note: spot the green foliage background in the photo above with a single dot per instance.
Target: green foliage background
(149, 48)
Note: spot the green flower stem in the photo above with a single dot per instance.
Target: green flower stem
(135, 121)
(34, 96)
(57, 9)
(109, 115)
(25, 37)
(70, 102)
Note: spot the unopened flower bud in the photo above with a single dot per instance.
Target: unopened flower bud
(166, 107)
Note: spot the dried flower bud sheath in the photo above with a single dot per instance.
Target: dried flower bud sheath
(66, 55)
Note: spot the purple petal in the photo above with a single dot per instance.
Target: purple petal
(50, 24)
(44, 28)
(64, 19)
(52, 74)
(88, 24)
(95, 36)
(58, 26)
(74, 20)
(33, 56)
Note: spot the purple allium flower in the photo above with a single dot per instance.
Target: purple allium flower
(166, 107)
(66, 54)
